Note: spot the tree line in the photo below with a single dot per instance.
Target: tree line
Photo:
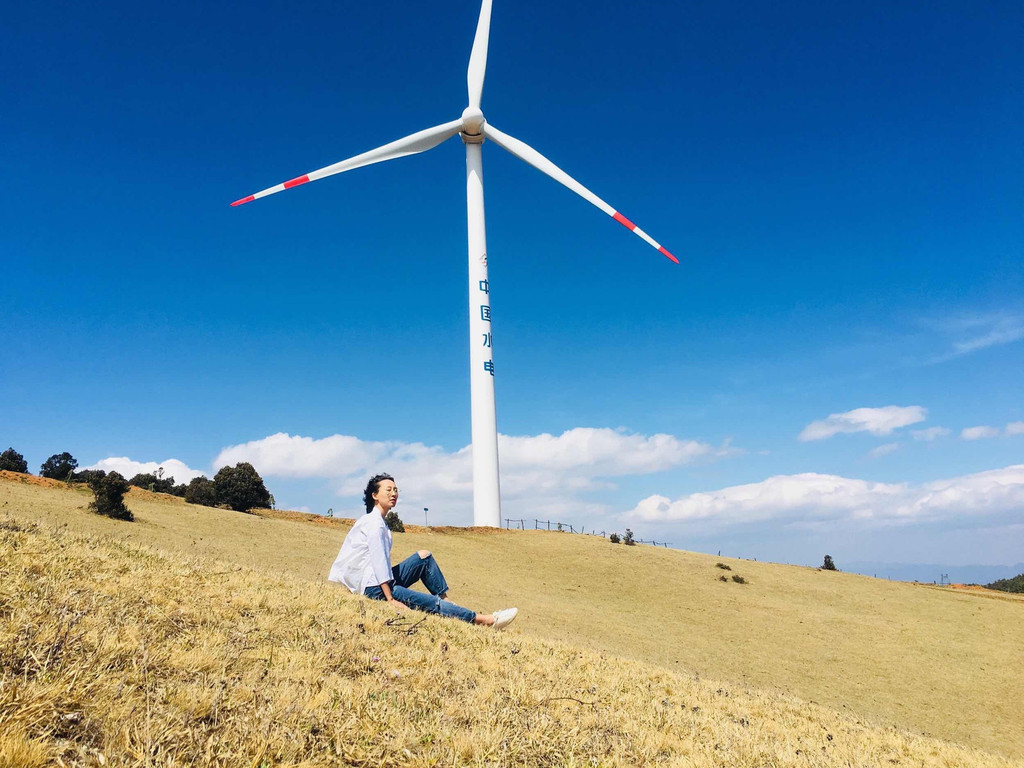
(239, 487)
(1016, 584)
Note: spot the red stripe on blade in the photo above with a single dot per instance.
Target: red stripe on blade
(296, 182)
(248, 199)
(624, 221)
(666, 253)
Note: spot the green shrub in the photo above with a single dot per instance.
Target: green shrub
(13, 461)
(393, 522)
(241, 487)
(109, 491)
(153, 482)
(723, 566)
(614, 538)
(828, 565)
(739, 579)
(628, 538)
(87, 475)
(60, 466)
(202, 491)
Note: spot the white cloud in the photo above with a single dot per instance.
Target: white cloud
(970, 333)
(883, 450)
(877, 421)
(812, 498)
(932, 433)
(181, 472)
(544, 474)
(978, 433)
(600, 451)
(286, 455)
(1012, 429)
(989, 331)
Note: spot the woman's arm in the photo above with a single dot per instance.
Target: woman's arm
(380, 560)
(386, 589)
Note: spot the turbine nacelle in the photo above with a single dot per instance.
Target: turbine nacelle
(472, 125)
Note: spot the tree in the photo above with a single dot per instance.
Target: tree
(109, 491)
(628, 538)
(202, 490)
(13, 461)
(393, 522)
(828, 565)
(60, 466)
(153, 482)
(614, 538)
(179, 490)
(241, 487)
(1016, 584)
(87, 475)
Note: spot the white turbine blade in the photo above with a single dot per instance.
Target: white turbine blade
(410, 145)
(478, 58)
(541, 163)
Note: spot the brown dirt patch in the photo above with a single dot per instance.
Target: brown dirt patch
(303, 517)
(18, 477)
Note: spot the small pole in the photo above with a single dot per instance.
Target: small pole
(425, 523)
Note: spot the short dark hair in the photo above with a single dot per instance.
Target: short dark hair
(372, 487)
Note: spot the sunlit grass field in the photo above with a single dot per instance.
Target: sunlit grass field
(208, 637)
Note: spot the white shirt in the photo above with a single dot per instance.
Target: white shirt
(365, 556)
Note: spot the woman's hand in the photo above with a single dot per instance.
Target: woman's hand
(396, 605)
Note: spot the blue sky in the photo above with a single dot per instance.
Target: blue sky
(842, 183)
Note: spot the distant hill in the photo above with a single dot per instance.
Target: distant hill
(1016, 584)
(927, 573)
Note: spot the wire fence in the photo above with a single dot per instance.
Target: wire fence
(541, 525)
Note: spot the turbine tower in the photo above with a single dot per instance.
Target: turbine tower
(474, 130)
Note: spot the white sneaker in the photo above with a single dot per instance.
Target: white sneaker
(504, 617)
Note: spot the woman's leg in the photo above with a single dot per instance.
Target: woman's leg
(432, 604)
(421, 566)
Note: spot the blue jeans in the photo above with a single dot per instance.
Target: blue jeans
(415, 568)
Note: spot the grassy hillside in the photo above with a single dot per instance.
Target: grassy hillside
(933, 661)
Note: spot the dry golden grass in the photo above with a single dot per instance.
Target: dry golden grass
(933, 661)
(117, 654)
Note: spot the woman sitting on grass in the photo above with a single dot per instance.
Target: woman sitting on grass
(364, 565)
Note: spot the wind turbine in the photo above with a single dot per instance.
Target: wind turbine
(474, 130)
